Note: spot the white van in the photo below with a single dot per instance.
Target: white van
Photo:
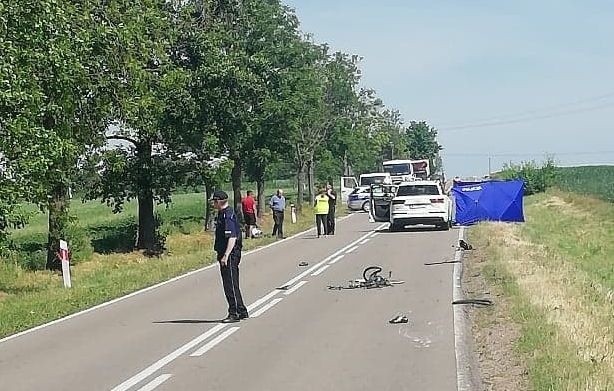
(375, 178)
(349, 183)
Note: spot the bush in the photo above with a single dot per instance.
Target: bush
(536, 178)
(79, 243)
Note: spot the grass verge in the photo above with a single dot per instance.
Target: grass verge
(31, 298)
(553, 278)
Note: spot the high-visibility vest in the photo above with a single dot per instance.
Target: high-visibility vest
(321, 204)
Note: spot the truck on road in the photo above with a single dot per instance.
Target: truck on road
(406, 170)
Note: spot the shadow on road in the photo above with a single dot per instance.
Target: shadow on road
(412, 229)
(188, 321)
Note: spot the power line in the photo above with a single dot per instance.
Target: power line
(480, 154)
(535, 111)
(526, 119)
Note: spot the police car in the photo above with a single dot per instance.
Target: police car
(358, 199)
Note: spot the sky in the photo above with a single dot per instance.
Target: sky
(510, 80)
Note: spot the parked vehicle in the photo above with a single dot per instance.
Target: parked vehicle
(374, 178)
(349, 184)
(359, 199)
(381, 200)
(420, 202)
(405, 170)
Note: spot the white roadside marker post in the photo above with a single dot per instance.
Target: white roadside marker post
(65, 263)
(293, 213)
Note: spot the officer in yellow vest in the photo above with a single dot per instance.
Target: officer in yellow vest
(321, 211)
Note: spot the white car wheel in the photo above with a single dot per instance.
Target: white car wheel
(366, 207)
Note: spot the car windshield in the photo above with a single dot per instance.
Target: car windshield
(398, 169)
(373, 180)
(417, 190)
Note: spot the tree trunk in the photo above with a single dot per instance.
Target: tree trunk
(58, 223)
(146, 235)
(208, 214)
(300, 180)
(261, 195)
(236, 187)
(310, 181)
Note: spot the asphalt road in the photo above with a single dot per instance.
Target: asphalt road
(304, 338)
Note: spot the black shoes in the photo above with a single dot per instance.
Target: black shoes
(234, 318)
(231, 319)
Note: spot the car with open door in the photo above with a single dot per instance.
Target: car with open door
(420, 203)
(348, 185)
(381, 201)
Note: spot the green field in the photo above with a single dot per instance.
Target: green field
(30, 295)
(589, 180)
(555, 274)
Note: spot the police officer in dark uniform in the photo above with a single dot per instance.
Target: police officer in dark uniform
(228, 244)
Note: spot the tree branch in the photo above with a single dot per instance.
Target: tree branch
(123, 138)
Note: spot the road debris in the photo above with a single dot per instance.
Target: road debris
(371, 279)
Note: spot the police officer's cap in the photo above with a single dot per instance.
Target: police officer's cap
(219, 195)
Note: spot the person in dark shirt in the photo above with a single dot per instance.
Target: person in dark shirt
(332, 206)
(228, 244)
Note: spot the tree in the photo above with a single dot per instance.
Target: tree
(421, 141)
(143, 81)
(53, 110)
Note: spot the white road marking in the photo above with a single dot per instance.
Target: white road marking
(374, 234)
(150, 370)
(317, 265)
(461, 329)
(365, 241)
(351, 250)
(139, 292)
(257, 303)
(211, 344)
(155, 382)
(295, 288)
(336, 259)
(319, 271)
(266, 308)
(201, 338)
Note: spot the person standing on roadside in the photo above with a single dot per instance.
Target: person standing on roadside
(248, 204)
(332, 206)
(228, 245)
(321, 206)
(278, 206)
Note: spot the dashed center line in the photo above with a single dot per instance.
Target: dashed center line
(155, 382)
(139, 377)
(365, 241)
(295, 288)
(266, 308)
(351, 250)
(167, 359)
(257, 303)
(215, 341)
(319, 271)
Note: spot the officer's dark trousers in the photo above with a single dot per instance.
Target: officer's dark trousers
(331, 220)
(230, 280)
(321, 222)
